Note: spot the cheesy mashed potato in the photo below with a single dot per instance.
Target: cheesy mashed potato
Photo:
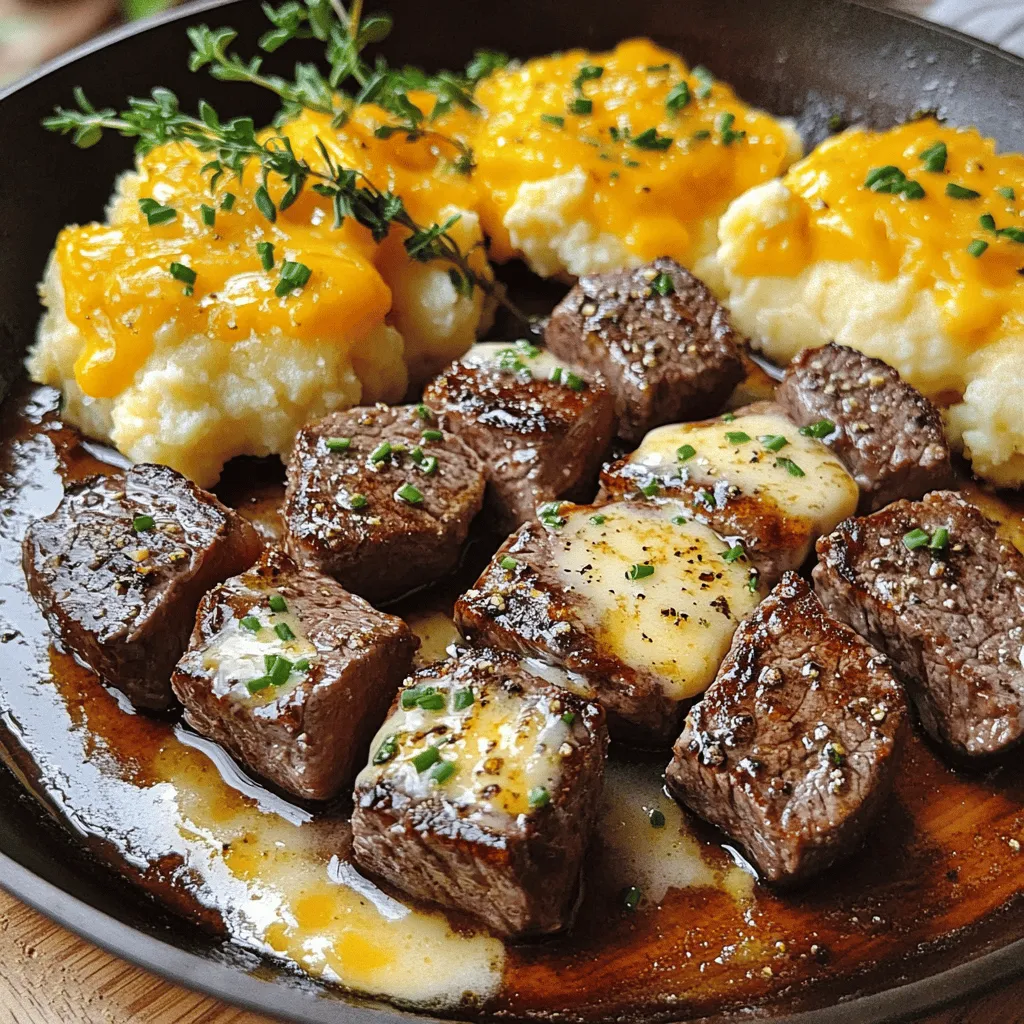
(909, 246)
(171, 332)
(593, 161)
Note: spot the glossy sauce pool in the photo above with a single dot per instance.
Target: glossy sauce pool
(935, 883)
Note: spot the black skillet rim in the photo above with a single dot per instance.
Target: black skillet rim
(241, 988)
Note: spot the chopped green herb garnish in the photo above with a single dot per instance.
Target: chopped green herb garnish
(987, 221)
(700, 135)
(1013, 234)
(737, 437)
(293, 275)
(464, 699)
(789, 466)
(425, 758)
(631, 897)
(939, 540)
(1006, 192)
(836, 753)
(650, 139)
(251, 623)
(773, 442)
(357, 501)
(893, 181)
(819, 429)
(549, 514)
(663, 284)
(656, 818)
(588, 73)
(284, 631)
(265, 204)
(208, 215)
(580, 105)
(678, 97)
(568, 717)
(430, 702)
(156, 213)
(598, 519)
(685, 452)
(728, 417)
(431, 435)
(509, 563)
(259, 683)
(409, 493)
(538, 797)
(706, 498)
(724, 123)
(411, 696)
(228, 202)
(280, 671)
(573, 381)
(140, 524)
(734, 554)
(302, 665)
(977, 247)
(277, 603)
(658, 67)
(955, 191)
(386, 751)
(916, 538)
(442, 771)
(186, 275)
(650, 489)
(752, 581)
(639, 571)
(265, 251)
(428, 464)
(424, 412)
(381, 452)
(553, 119)
(934, 157)
(705, 80)
(556, 375)
(338, 444)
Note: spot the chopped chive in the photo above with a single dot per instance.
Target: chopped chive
(265, 204)
(734, 554)
(581, 105)
(140, 524)
(251, 623)
(728, 417)
(337, 444)
(663, 284)
(955, 191)
(277, 603)
(773, 442)
(293, 275)
(724, 123)
(658, 67)
(685, 452)
(678, 97)
(631, 897)
(208, 214)
(679, 520)
(424, 412)
(650, 139)
(657, 819)
(553, 119)
(464, 699)
(508, 562)
(550, 514)
(573, 381)
(265, 251)
(386, 751)
(737, 437)
(568, 717)
(639, 571)
(1013, 234)
(934, 157)
(431, 435)
(987, 221)
(228, 202)
(705, 80)
(425, 758)
(281, 670)
(598, 519)
(430, 702)
(700, 135)
(410, 494)
(789, 466)
(381, 452)
(707, 499)
(428, 464)
(977, 247)
(538, 797)
(819, 429)
(268, 661)
(156, 213)
(302, 665)
(411, 697)
(892, 180)
(556, 375)
(916, 538)
(649, 490)
(283, 630)
(939, 540)
(186, 275)
(752, 581)
(357, 501)
(259, 683)
(588, 73)
(443, 772)
(1006, 192)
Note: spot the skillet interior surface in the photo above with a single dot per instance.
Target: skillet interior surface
(805, 58)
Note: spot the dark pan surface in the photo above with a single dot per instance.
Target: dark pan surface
(808, 58)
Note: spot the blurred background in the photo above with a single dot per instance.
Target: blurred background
(32, 31)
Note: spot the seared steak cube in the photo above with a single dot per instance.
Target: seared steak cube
(659, 338)
(541, 427)
(292, 675)
(888, 434)
(481, 793)
(119, 568)
(750, 475)
(933, 585)
(381, 499)
(792, 750)
(630, 604)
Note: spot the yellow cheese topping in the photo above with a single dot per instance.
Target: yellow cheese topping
(655, 140)
(119, 291)
(951, 240)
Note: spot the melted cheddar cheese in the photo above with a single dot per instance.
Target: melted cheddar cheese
(652, 168)
(942, 240)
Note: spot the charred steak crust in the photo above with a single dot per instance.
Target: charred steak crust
(888, 434)
(348, 516)
(793, 748)
(950, 619)
(484, 840)
(539, 440)
(119, 568)
(666, 357)
(308, 735)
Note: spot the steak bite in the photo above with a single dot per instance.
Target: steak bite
(750, 475)
(118, 570)
(540, 427)
(381, 499)
(631, 604)
(292, 675)
(792, 750)
(659, 338)
(933, 585)
(481, 793)
(888, 434)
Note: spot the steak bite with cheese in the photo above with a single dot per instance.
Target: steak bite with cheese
(659, 338)
(481, 793)
(292, 675)
(750, 475)
(888, 434)
(540, 427)
(630, 604)
(793, 749)
(934, 585)
(381, 499)
(118, 570)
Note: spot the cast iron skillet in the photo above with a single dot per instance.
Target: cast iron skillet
(807, 58)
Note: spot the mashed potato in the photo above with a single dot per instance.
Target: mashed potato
(192, 373)
(591, 161)
(922, 271)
